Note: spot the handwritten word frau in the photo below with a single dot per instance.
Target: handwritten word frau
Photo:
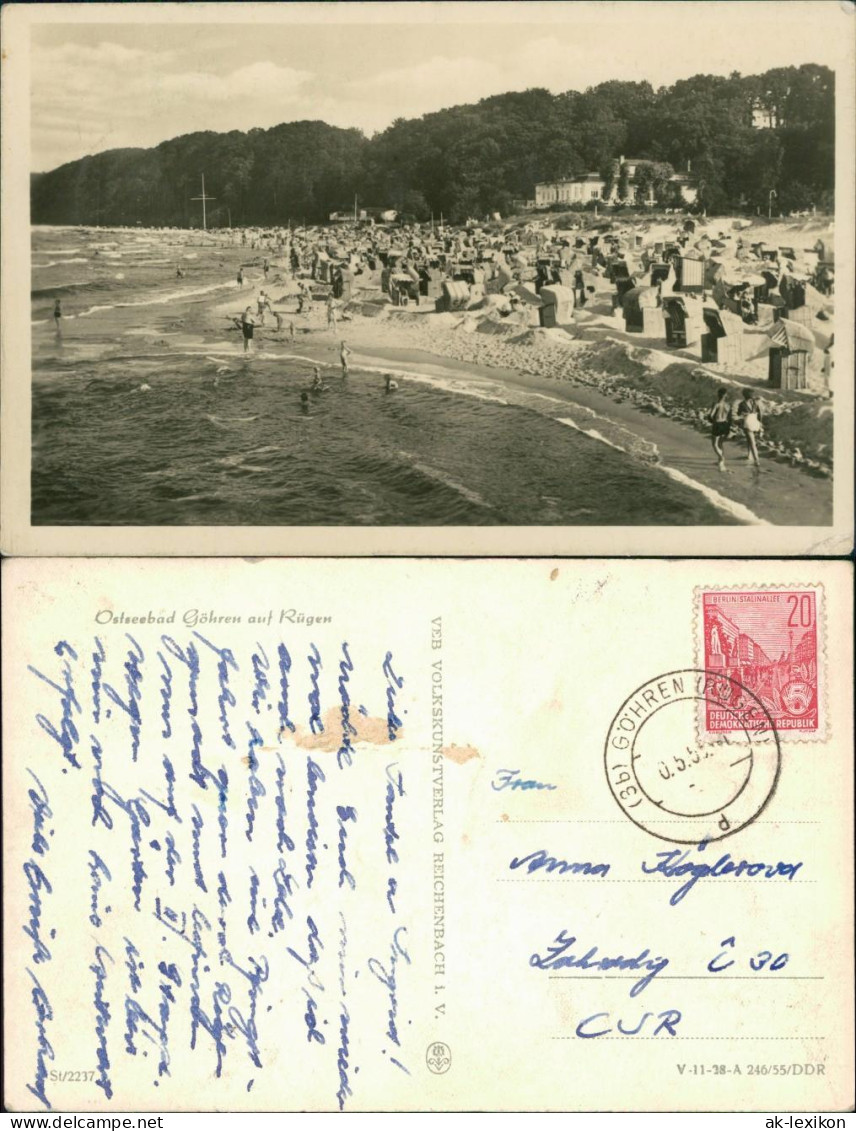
(511, 779)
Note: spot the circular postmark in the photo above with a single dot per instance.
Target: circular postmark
(677, 787)
(438, 1057)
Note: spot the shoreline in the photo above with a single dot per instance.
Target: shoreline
(780, 494)
(581, 376)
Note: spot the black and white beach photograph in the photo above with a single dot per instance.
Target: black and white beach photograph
(434, 266)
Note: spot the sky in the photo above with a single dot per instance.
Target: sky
(104, 85)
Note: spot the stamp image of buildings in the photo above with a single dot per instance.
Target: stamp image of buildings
(786, 683)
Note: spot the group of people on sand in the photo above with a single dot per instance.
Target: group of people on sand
(248, 321)
(722, 420)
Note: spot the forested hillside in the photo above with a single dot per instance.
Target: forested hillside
(742, 135)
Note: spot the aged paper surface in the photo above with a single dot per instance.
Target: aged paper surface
(426, 835)
(726, 27)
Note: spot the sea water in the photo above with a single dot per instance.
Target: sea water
(134, 423)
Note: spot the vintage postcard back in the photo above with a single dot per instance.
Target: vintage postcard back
(427, 835)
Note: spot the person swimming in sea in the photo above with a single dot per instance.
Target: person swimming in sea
(318, 385)
(391, 385)
(57, 314)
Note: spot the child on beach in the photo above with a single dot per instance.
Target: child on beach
(344, 354)
(720, 417)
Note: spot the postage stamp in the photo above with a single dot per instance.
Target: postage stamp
(769, 641)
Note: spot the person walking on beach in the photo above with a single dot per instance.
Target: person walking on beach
(261, 302)
(247, 327)
(291, 331)
(579, 289)
(304, 296)
(749, 416)
(720, 417)
(266, 267)
(331, 314)
(240, 276)
(344, 354)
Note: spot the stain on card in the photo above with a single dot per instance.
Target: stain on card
(460, 754)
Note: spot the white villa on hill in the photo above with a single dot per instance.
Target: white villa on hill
(591, 186)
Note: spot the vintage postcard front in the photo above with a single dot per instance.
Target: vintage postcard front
(449, 278)
(426, 835)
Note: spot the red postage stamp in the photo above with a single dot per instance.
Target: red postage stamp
(770, 642)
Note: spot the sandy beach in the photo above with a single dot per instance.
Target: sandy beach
(131, 323)
(593, 374)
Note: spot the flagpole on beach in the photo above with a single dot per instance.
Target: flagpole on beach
(205, 198)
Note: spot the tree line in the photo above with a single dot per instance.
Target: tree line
(743, 137)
